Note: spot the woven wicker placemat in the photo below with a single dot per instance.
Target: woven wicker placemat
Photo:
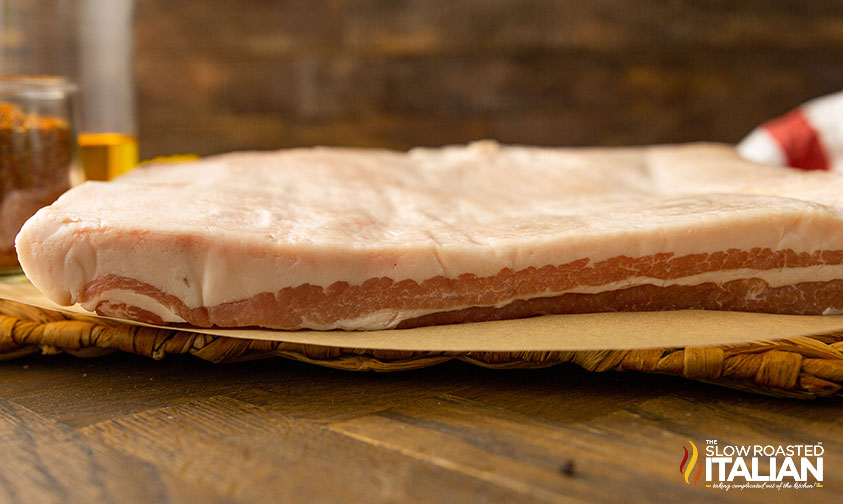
(804, 367)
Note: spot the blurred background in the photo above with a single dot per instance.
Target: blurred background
(207, 76)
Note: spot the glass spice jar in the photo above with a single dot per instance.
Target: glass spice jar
(37, 152)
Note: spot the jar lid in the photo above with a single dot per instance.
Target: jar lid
(43, 87)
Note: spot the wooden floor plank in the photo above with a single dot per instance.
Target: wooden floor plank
(86, 391)
(478, 435)
(506, 445)
(658, 429)
(128, 429)
(566, 393)
(328, 395)
(19, 424)
(46, 462)
(436, 442)
(243, 451)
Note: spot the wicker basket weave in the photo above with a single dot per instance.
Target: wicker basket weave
(805, 367)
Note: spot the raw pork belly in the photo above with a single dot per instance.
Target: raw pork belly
(330, 238)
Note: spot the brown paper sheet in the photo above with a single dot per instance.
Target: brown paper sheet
(597, 331)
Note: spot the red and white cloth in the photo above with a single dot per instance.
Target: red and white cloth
(809, 137)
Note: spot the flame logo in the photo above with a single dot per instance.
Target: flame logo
(689, 468)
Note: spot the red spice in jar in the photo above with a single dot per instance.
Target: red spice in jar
(35, 159)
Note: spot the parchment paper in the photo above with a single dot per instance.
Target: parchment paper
(597, 331)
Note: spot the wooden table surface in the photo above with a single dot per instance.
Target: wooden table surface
(128, 429)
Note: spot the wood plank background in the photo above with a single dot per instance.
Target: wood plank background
(128, 429)
(216, 75)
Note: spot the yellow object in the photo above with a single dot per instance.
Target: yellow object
(107, 155)
(175, 158)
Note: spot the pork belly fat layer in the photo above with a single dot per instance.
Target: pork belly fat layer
(364, 239)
